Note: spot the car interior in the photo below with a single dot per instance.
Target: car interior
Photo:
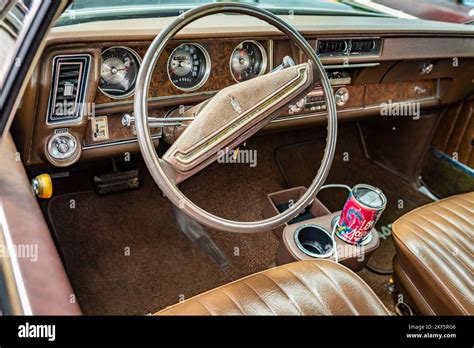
(196, 160)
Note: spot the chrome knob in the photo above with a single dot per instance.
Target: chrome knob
(286, 63)
(426, 68)
(341, 96)
(298, 106)
(61, 146)
(127, 120)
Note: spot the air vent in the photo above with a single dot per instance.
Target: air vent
(348, 47)
(67, 96)
(330, 47)
(365, 46)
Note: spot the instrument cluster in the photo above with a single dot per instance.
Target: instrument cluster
(188, 67)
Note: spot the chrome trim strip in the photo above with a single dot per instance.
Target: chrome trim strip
(365, 108)
(346, 66)
(15, 267)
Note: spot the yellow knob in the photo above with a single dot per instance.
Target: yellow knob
(42, 186)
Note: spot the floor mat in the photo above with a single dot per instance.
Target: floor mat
(125, 254)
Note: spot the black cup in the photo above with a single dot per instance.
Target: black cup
(314, 241)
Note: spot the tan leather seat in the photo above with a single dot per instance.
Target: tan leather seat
(317, 287)
(433, 266)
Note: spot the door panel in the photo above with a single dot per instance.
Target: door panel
(455, 133)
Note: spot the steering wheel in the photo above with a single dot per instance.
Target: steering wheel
(230, 117)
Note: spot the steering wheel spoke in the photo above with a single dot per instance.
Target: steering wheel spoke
(234, 114)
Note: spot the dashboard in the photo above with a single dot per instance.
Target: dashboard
(79, 103)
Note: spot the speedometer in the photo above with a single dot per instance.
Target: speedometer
(248, 60)
(119, 71)
(189, 66)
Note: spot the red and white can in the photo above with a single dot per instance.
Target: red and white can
(361, 212)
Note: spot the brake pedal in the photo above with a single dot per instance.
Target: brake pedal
(117, 181)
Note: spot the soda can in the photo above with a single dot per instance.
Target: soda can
(361, 212)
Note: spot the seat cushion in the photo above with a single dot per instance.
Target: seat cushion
(434, 261)
(318, 287)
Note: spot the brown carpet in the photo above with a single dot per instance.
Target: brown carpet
(380, 285)
(163, 266)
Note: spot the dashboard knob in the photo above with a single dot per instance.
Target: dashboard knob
(426, 68)
(341, 96)
(298, 106)
(42, 186)
(62, 146)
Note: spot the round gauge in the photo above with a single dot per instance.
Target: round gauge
(189, 66)
(248, 60)
(119, 71)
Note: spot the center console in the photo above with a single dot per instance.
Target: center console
(309, 235)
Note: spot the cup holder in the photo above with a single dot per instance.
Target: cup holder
(314, 241)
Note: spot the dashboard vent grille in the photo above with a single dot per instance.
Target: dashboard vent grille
(329, 47)
(365, 46)
(348, 47)
(67, 96)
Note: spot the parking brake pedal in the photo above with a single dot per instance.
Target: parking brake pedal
(197, 234)
(117, 181)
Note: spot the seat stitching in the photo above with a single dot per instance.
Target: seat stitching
(440, 230)
(449, 262)
(443, 201)
(438, 227)
(202, 304)
(235, 302)
(285, 293)
(311, 291)
(259, 296)
(454, 212)
(336, 286)
(442, 248)
(466, 207)
(439, 246)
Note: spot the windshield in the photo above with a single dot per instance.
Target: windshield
(94, 10)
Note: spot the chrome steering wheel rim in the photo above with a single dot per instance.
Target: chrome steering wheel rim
(156, 166)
